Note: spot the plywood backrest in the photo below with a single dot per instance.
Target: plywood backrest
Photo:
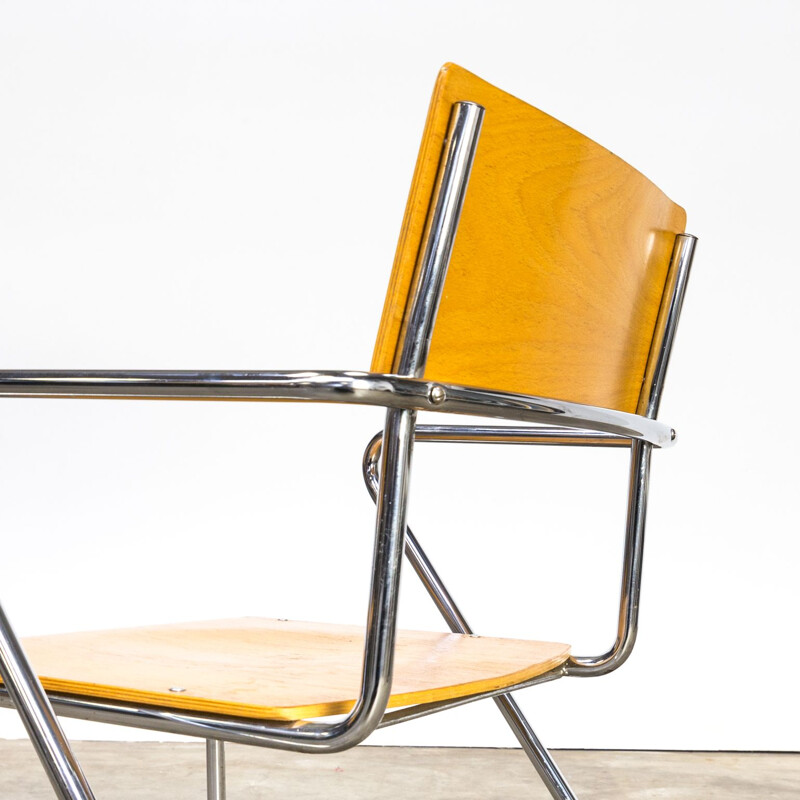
(560, 263)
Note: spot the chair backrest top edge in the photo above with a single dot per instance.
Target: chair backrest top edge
(560, 264)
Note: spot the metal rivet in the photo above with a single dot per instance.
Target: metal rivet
(177, 689)
(436, 395)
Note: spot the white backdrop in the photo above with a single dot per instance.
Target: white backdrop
(220, 185)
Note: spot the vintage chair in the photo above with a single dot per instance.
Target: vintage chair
(566, 281)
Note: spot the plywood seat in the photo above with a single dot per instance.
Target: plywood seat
(275, 669)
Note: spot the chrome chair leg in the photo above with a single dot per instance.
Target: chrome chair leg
(215, 769)
(33, 706)
(542, 761)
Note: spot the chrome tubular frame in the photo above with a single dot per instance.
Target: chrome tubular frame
(362, 388)
(542, 761)
(628, 619)
(310, 737)
(631, 574)
(499, 434)
(27, 695)
(404, 391)
(634, 540)
(440, 234)
(401, 397)
(215, 769)
(627, 627)
(239, 730)
(426, 709)
(682, 257)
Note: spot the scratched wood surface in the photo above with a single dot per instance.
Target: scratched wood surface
(275, 669)
(559, 265)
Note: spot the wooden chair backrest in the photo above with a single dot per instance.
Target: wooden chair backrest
(559, 267)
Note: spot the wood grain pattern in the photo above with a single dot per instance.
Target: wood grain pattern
(559, 265)
(275, 669)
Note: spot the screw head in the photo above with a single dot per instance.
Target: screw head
(177, 689)
(436, 395)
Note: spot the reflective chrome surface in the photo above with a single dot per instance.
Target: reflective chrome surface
(215, 770)
(414, 552)
(388, 553)
(403, 395)
(426, 709)
(440, 233)
(52, 747)
(536, 752)
(188, 723)
(682, 256)
(542, 761)
(310, 737)
(627, 626)
(400, 395)
(364, 388)
(497, 434)
(628, 619)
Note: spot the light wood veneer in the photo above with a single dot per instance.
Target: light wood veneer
(275, 669)
(559, 265)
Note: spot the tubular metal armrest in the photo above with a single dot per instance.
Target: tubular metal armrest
(361, 388)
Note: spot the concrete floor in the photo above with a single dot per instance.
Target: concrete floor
(141, 770)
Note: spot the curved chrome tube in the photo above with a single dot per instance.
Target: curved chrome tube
(362, 388)
(301, 736)
(236, 729)
(401, 396)
(414, 552)
(382, 617)
(536, 752)
(627, 627)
